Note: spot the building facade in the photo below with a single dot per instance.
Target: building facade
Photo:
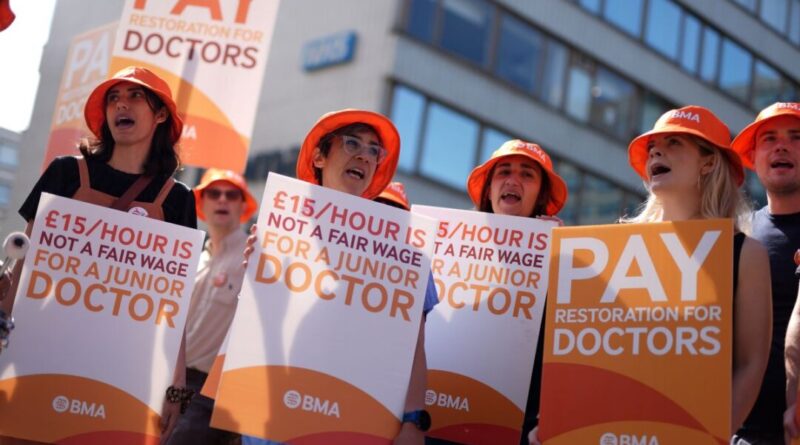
(9, 162)
(459, 77)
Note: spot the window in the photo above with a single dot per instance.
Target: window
(767, 86)
(653, 107)
(750, 5)
(789, 93)
(491, 141)
(465, 28)
(708, 66)
(407, 114)
(572, 176)
(612, 101)
(691, 43)
(578, 92)
(590, 5)
(519, 53)
(735, 70)
(773, 13)
(421, 16)
(449, 147)
(663, 27)
(5, 194)
(600, 201)
(8, 156)
(625, 15)
(553, 74)
(794, 23)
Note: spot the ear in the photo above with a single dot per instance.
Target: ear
(317, 158)
(161, 115)
(708, 165)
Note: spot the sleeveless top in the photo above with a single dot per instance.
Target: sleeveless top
(86, 193)
(738, 242)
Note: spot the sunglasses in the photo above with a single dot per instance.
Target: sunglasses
(354, 146)
(230, 195)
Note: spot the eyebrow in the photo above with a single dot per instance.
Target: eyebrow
(131, 88)
(377, 142)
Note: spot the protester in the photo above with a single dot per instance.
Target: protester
(691, 173)
(771, 147)
(356, 152)
(224, 203)
(129, 167)
(519, 180)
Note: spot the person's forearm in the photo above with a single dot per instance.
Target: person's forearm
(792, 354)
(415, 397)
(746, 384)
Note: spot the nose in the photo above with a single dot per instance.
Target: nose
(782, 143)
(363, 156)
(653, 152)
(121, 104)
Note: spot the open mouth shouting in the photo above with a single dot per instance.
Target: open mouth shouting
(355, 173)
(124, 121)
(510, 197)
(781, 164)
(658, 169)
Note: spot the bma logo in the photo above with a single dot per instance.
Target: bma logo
(293, 400)
(789, 105)
(62, 404)
(677, 114)
(627, 439)
(448, 401)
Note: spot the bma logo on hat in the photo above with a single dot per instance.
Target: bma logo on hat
(787, 105)
(688, 115)
(531, 148)
(138, 211)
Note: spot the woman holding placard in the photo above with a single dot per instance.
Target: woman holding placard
(692, 172)
(519, 180)
(128, 167)
(356, 152)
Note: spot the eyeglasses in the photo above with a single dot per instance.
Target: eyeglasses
(354, 146)
(230, 195)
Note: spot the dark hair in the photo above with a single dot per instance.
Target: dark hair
(539, 208)
(325, 142)
(162, 159)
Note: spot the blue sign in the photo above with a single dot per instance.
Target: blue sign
(329, 50)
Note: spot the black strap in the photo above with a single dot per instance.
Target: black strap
(738, 242)
(133, 191)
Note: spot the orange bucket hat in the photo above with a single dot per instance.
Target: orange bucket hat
(332, 121)
(396, 193)
(558, 188)
(217, 174)
(745, 142)
(693, 120)
(95, 110)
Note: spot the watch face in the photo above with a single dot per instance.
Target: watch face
(424, 422)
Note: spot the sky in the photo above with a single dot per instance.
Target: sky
(21, 46)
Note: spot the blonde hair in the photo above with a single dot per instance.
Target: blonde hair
(720, 197)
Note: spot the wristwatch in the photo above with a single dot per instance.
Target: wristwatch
(420, 418)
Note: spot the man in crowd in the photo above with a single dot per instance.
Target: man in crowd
(224, 203)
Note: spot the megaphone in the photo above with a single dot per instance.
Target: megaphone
(15, 247)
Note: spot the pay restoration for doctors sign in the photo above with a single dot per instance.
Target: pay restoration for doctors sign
(639, 332)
